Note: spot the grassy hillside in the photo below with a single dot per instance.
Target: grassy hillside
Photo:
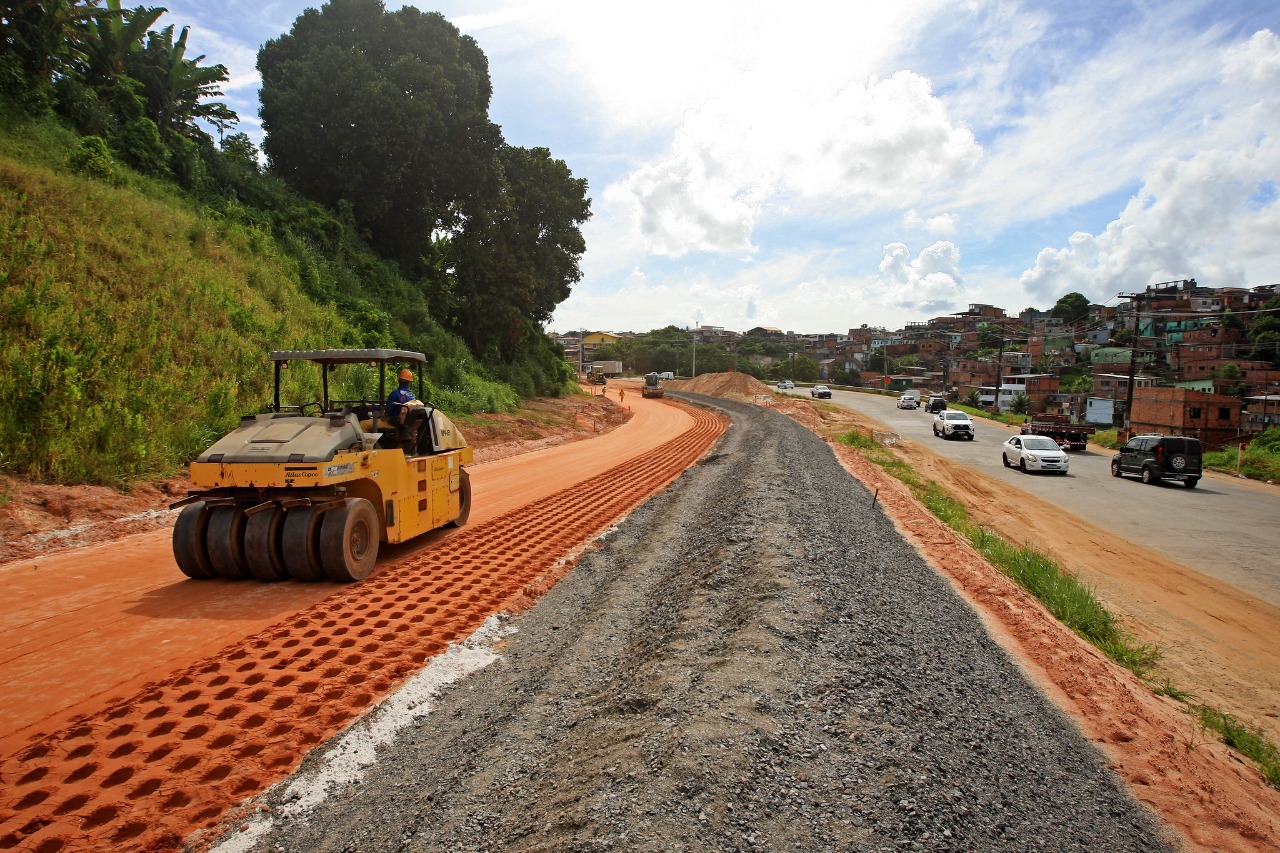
(134, 323)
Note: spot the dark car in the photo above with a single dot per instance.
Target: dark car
(936, 404)
(1160, 457)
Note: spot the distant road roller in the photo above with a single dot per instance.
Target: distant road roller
(652, 386)
(309, 491)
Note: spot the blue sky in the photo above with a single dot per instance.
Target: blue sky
(817, 166)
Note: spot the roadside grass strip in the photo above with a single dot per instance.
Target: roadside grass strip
(1259, 460)
(1071, 602)
(1249, 741)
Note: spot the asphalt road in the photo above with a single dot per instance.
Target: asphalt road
(1227, 529)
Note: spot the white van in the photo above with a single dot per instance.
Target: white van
(667, 375)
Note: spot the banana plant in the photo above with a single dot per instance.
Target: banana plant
(175, 87)
(113, 34)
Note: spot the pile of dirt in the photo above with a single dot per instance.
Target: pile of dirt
(542, 423)
(748, 389)
(732, 386)
(38, 519)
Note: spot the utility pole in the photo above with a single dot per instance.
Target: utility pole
(1133, 372)
(999, 374)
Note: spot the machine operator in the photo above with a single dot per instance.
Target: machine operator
(402, 399)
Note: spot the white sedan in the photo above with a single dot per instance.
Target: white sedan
(1034, 453)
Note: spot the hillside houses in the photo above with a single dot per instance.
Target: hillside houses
(1177, 335)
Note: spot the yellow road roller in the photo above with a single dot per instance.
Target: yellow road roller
(310, 490)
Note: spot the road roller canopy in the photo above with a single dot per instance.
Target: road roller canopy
(349, 362)
(348, 356)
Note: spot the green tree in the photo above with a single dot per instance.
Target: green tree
(973, 399)
(132, 133)
(801, 369)
(1073, 308)
(111, 35)
(93, 159)
(1021, 403)
(517, 262)
(388, 112)
(846, 377)
(1226, 371)
(239, 148)
(1081, 384)
(38, 40)
(991, 336)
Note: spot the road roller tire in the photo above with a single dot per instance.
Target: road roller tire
(226, 542)
(189, 537)
(300, 543)
(349, 541)
(464, 499)
(263, 546)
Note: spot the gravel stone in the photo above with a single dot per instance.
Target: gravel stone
(755, 659)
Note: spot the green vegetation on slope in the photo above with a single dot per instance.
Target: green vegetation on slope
(135, 323)
(134, 329)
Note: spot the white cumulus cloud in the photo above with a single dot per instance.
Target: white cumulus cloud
(764, 150)
(929, 283)
(943, 223)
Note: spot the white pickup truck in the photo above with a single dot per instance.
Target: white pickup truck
(952, 423)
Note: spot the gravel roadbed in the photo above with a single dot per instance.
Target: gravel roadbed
(753, 660)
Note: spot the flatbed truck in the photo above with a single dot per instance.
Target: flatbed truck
(1060, 429)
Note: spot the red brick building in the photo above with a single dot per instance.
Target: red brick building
(1212, 418)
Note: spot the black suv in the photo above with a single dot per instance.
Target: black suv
(1160, 457)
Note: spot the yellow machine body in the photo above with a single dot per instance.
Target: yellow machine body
(306, 495)
(411, 494)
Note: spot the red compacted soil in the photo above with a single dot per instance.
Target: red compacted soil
(138, 706)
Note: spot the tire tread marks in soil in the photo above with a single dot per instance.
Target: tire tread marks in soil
(150, 769)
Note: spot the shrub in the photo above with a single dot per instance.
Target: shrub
(1106, 438)
(137, 141)
(93, 158)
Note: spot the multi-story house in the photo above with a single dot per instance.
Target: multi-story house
(1043, 390)
(1212, 418)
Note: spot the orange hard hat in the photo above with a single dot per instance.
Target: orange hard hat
(406, 375)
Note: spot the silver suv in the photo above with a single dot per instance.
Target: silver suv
(953, 423)
(1160, 457)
